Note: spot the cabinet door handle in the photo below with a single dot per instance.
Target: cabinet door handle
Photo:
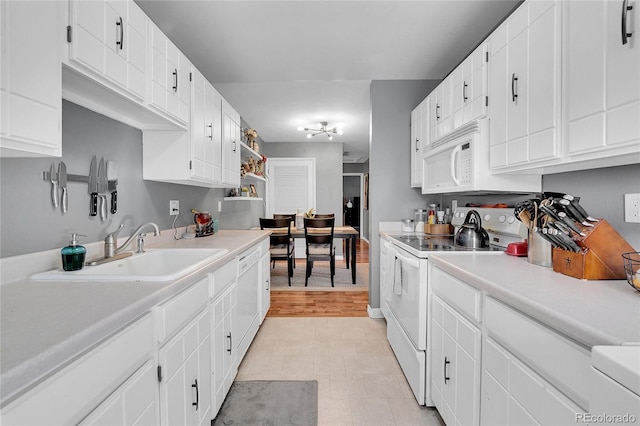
(514, 87)
(268, 284)
(625, 9)
(446, 363)
(175, 80)
(437, 113)
(234, 146)
(230, 343)
(417, 144)
(195, 404)
(121, 41)
(210, 126)
(464, 92)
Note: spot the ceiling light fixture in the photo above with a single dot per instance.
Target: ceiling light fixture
(321, 130)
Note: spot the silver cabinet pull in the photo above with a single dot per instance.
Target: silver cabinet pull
(230, 343)
(625, 9)
(437, 113)
(417, 142)
(514, 87)
(446, 363)
(210, 126)
(195, 385)
(464, 92)
(121, 41)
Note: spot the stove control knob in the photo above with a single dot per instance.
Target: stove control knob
(487, 217)
(511, 219)
(501, 218)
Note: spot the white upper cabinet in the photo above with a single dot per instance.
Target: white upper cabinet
(30, 79)
(602, 80)
(109, 38)
(469, 90)
(230, 146)
(170, 75)
(420, 131)
(206, 134)
(524, 88)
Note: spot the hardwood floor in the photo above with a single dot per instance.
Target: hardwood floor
(323, 303)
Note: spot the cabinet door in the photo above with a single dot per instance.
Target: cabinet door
(222, 348)
(512, 393)
(498, 85)
(265, 283)
(30, 79)
(474, 85)
(185, 366)
(110, 39)
(230, 146)
(416, 147)
(133, 403)
(455, 365)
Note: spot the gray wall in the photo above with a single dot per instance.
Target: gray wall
(328, 171)
(391, 197)
(29, 223)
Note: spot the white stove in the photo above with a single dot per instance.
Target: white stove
(404, 285)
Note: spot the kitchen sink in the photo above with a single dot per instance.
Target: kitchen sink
(153, 265)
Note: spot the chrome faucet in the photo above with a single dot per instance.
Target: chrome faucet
(110, 241)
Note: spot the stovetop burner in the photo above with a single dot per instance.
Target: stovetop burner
(437, 243)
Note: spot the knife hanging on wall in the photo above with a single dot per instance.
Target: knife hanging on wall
(112, 177)
(93, 187)
(53, 178)
(102, 189)
(62, 182)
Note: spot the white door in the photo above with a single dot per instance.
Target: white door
(291, 186)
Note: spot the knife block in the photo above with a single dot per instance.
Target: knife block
(601, 256)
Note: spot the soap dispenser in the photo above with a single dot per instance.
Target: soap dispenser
(73, 254)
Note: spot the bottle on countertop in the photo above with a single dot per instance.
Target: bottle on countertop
(431, 216)
(73, 254)
(447, 215)
(299, 223)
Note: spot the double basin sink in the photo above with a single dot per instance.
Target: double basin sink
(158, 265)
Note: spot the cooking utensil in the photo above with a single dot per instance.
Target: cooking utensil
(570, 223)
(112, 178)
(53, 178)
(93, 187)
(62, 182)
(573, 213)
(576, 205)
(102, 189)
(471, 233)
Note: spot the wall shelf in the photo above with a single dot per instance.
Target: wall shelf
(243, 199)
(256, 177)
(250, 150)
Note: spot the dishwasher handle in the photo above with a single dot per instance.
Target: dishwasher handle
(411, 262)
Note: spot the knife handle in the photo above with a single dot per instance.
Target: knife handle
(64, 201)
(93, 204)
(103, 207)
(114, 202)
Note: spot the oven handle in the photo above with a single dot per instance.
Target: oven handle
(411, 262)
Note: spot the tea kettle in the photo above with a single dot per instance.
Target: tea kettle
(471, 233)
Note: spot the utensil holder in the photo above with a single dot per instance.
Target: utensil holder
(438, 228)
(538, 250)
(601, 258)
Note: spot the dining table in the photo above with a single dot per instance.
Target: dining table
(348, 233)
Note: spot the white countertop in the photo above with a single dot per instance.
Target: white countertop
(604, 312)
(46, 324)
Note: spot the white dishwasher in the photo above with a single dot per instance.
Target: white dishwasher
(245, 317)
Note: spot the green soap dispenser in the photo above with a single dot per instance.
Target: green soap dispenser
(73, 254)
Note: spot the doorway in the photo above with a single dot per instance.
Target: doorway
(353, 207)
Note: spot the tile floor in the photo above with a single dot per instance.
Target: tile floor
(359, 379)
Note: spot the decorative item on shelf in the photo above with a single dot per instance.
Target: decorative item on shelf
(252, 165)
(260, 166)
(322, 130)
(244, 191)
(252, 136)
(233, 192)
(252, 190)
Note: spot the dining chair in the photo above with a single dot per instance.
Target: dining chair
(318, 236)
(281, 245)
(293, 221)
(324, 216)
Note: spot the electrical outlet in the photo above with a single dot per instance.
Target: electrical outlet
(632, 208)
(174, 207)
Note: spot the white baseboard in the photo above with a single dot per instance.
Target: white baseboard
(374, 312)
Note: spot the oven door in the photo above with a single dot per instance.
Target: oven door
(406, 294)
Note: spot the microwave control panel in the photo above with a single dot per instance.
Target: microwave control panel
(465, 164)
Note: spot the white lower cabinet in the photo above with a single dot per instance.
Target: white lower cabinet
(514, 394)
(455, 364)
(74, 392)
(265, 281)
(185, 386)
(222, 349)
(132, 403)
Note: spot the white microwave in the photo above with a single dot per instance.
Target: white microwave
(459, 162)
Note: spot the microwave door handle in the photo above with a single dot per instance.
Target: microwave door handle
(452, 169)
(411, 262)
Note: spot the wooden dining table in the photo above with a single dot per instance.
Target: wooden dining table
(348, 233)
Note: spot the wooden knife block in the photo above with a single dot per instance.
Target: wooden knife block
(601, 259)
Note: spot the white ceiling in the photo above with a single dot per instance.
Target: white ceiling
(283, 64)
